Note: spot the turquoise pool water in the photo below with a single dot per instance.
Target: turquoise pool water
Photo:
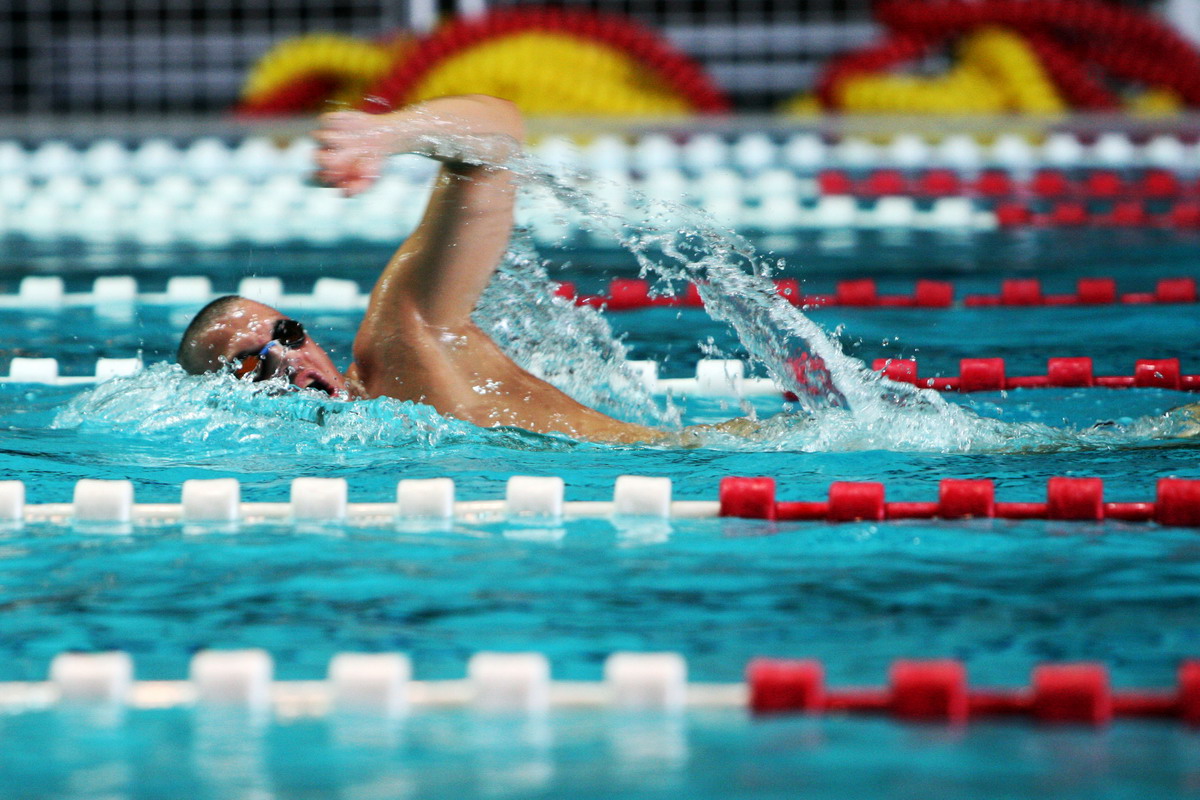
(710, 754)
(1001, 596)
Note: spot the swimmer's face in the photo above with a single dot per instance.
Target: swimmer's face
(247, 327)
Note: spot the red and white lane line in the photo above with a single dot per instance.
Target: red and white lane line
(217, 503)
(114, 292)
(626, 294)
(1038, 183)
(721, 378)
(926, 690)
(1177, 502)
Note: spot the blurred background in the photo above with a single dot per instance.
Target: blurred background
(197, 55)
(132, 126)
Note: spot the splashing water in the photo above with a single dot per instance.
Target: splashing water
(225, 414)
(572, 347)
(845, 405)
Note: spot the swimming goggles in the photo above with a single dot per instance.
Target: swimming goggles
(287, 334)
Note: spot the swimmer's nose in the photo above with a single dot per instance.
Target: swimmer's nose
(294, 362)
(302, 368)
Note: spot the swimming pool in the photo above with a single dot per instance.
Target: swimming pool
(1001, 596)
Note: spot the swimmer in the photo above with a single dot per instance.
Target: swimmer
(416, 341)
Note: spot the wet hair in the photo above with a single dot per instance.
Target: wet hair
(205, 318)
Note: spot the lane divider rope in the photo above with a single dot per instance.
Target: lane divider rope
(67, 212)
(379, 683)
(120, 292)
(623, 294)
(936, 690)
(217, 502)
(931, 690)
(322, 220)
(1042, 184)
(727, 378)
(988, 375)
(1177, 502)
(989, 164)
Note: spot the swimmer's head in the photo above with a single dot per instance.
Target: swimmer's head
(261, 342)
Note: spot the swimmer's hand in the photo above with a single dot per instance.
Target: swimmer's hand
(354, 147)
(464, 133)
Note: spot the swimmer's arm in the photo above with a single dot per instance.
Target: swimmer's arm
(446, 263)
(461, 131)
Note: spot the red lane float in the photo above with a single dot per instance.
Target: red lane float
(626, 294)
(988, 375)
(1177, 502)
(995, 184)
(937, 690)
(1073, 214)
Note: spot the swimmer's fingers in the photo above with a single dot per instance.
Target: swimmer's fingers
(350, 183)
(336, 146)
(345, 120)
(352, 171)
(342, 127)
(356, 130)
(352, 180)
(356, 185)
(333, 139)
(334, 162)
(353, 148)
